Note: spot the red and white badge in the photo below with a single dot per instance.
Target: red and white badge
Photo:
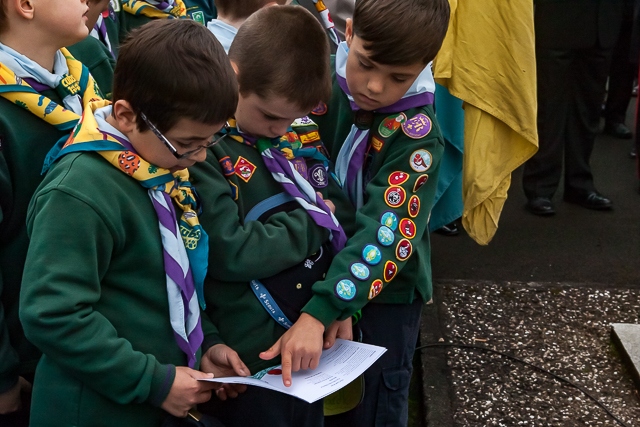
(390, 271)
(420, 181)
(420, 160)
(404, 250)
(244, 169)
(414, 206)
(376, 288)
(395, 196)
(407, 228)
(398, 178)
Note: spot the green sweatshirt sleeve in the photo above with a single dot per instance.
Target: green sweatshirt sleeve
(59, 290)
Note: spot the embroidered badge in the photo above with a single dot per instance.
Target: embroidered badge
(360, 271)
(420, 181)
(318, 176)
(129, 162)
(376, 288)
(385, 236)
(346, 290)
(390, 270)
(371, 255)
(198, 17)
(398, 178)
(376, 144)
(301, 167)
(395, 196)
(244, 169)
(302, 121)
(234, 190)
(227, 166)
(115, 5)
(417, 127)
(320, 110)
(403, 250)
(407, 228)
(414, 206)
(420, 160)
(390, 220)
(391, 124)
(309, 137)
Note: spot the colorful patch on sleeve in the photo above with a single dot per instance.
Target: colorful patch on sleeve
(301, 166)
(376, 144)
(227, 166)
(318, 176)
(418, 126)
(390, 220)
(244, 169)
(385, 236)
(375, 289)
(390, 271)
(371, 255)
(420, 181)
(407, 228)
(420, 161)
(395, 196)
(391, 124)
(398, 178)
(404, 250)
(129, 162)
(198, 17)
(302, 121)
(320, 110)
(309, 137)
(346, 290)
(360, 271)
(234, 190)
(414, 206)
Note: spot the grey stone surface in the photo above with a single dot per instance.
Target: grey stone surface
(627, 338)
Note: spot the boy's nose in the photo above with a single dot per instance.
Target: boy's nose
(375, 85)
(200, 156)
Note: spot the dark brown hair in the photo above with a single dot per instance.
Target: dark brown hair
(283, 51)
(239, 9)
(3, 16)
(401, 32)
(171, 69)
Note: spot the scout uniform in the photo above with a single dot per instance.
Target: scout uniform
(97, 58)
(385, 266)
(106, 28)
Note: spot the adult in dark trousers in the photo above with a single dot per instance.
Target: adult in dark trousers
(635, 53)
(574, 43)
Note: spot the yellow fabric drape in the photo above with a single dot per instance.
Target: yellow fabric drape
(488, 61)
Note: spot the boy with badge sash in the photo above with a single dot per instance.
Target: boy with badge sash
(112, 287)
(381, 130)
(264, 190)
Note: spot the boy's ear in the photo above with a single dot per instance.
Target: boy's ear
(124, 116)
(348, 32)
(234, 66)
(24, 8)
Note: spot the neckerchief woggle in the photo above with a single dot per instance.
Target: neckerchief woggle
(352, 153)
(276, 154)
(166, 9)
(185, 245)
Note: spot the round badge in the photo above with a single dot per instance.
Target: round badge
(407, 228)
(360, 271)
(385, 236)
(390, 270)
(395, 196)
(376, 288)
(420, 181)
(318, 176)
(398, 178)
(403, 250)
(346, 290)
(371, 254)
(420, 160)
(321, 109)
(417, 126)
(414, 206)
(390, 220)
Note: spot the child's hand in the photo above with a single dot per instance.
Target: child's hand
(300, 347)
(186, 391)
(10, 400)
(328, 202)
(338, 329)
(222, 361)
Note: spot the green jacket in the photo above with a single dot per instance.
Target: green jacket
(392, 177)
(96, 57)
(94, 299)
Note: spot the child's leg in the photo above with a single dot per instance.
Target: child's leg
(386, 395)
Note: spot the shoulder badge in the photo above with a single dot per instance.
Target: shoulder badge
(244, 169)
(391, 124)
(227, 166)
(420, 160)
(418, 126)
(320, 110)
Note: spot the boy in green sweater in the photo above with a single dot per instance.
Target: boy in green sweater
(112, 282)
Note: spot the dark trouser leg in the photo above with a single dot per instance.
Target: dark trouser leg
(621, 75)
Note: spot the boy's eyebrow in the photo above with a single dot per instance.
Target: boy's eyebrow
(267, 113)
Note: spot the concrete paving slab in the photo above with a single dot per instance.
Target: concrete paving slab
(627, 337)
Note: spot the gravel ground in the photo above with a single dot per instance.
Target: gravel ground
(561, 328)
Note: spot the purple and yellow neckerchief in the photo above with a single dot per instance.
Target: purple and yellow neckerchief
(185, 244)
(164, 9)
(353, 151)
(277, 156)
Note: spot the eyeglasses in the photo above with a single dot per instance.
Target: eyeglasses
(189, 153)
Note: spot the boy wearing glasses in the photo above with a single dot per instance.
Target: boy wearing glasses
(113, 283)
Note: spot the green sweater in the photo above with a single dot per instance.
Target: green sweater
(94, 299)
(392, 278)
(96, 57)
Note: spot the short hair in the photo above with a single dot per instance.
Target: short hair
(3, 16)
(401, 32)
(283, 51)
(171, 69)
(241, 9)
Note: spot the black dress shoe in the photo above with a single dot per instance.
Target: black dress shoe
(618, 130)
(540, 206)
(588, 199)
(633, 153)
(450, 229)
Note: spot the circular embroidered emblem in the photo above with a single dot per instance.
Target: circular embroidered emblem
(318, 176)
(417, 127)
(346, 290)
(420, 160)
(390, 270)
(420, 181)
(360, 271)
(391, 124)
(320, 110)
(376, 288)
(407, 228)
(414, 206)
(398, 178)
(371, 255)
(395, 196)
(390, 220)
(403, 250)
(129, 162)
(385, 236)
